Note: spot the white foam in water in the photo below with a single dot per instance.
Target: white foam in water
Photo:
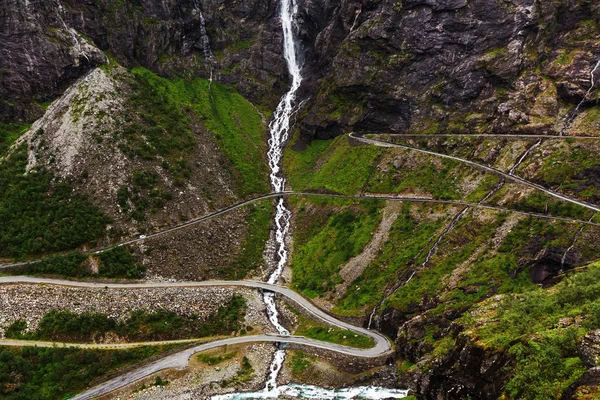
(279, 132)
(269, 299)
(315, 392)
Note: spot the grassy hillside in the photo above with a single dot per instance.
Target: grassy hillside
(477, 286)
(168, 106)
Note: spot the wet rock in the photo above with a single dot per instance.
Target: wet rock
(468, 371)
(549, 264)
(589, 349)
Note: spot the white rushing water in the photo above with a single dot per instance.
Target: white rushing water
(315, 392)
(527, 152)
(203, 36)
(279, 130)
(583, 100)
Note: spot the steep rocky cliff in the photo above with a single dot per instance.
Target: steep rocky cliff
(449, 66)
(389, 65)
(156, 111)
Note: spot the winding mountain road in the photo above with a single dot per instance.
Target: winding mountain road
(382, 344)
(330, 195)
(508, 176)
(180, 360)
(488, 136)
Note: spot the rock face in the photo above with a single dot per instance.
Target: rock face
(585, 387)
(391, 65)
(589, 349)
(407, 65)
(40, 54)
(45, 47)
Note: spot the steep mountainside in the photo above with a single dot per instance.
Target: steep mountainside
(461, 220)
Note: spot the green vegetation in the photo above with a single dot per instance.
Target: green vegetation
(408, 244)
(215, 359)
(330, 243)
(527, 324)
(545, 204)
(258, 222)
(299, 361)
(485, 186)
(168, 109)
(245, 373)
(337, 166)
(67, 326)
(9, 133)
(40, 214)
(441, 181)
(563, 166)
(68, 265)
(316, 330)
(458, 245)
(332, 165)
(335, 335)
(147, 193)
(552, 234)
(564, 58)
(56, 373)
(158, 381)
(119, 263)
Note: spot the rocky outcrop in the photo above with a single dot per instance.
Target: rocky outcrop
(46, 45)
(447, 65)
(586, 387)
(40, 55)
(467, 371)
(390, 66)
(589, 349)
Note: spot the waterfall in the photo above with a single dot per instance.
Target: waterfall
(357, 14)
(572, 246)
(203, 36)
(527, 152)
(72, 33)
(279, 130)
(574, 113)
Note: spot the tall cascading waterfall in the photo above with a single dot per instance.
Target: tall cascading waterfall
(279, 132)
(279, 129)
(208, 55)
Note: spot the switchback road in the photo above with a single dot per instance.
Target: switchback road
(180, 360)
(330, 195)
(510, 177)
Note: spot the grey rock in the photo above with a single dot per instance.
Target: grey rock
(589, 349)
